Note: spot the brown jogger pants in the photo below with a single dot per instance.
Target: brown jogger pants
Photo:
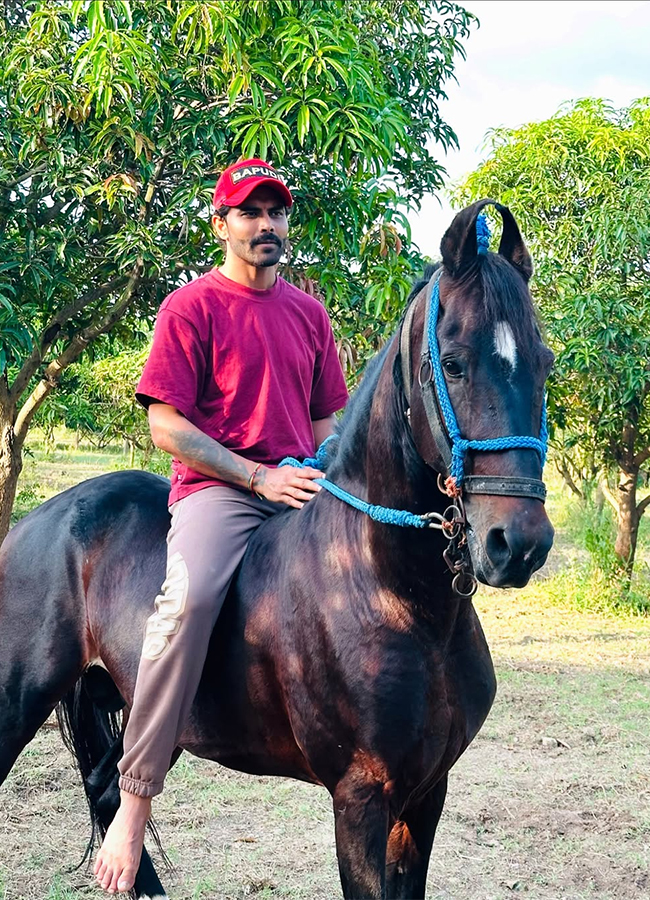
(207, 539)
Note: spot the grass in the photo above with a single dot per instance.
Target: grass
(550, 800)
(52, 467)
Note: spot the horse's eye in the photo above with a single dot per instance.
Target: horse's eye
(452, 368)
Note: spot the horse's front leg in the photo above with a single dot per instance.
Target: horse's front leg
(361, 813)
(409, 846)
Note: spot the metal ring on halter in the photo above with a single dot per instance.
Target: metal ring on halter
(452, 522)
(435, 520)
(458, 586)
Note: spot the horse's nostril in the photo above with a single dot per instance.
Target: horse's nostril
(497, 546)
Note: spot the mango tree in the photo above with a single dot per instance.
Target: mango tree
(116, 118)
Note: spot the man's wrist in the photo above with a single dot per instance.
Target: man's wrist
(256, 480)
(252, 477)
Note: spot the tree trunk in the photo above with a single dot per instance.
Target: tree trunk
(563, 469)
(627, 520)
(11, 464)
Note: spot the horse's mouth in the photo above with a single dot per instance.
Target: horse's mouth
(515, 573)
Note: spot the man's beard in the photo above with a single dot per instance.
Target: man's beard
(261, 259)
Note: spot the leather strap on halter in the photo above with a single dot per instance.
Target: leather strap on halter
(498, 485)
(505, 486)
(427, 386)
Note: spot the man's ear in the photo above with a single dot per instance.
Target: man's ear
(220, 227)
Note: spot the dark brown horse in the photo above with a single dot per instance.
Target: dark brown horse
(343, 655)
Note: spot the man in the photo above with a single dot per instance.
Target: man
(243, 371)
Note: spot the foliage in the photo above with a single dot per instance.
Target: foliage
(579, 185)
(116, 118)
(583, 568)
(97, 399)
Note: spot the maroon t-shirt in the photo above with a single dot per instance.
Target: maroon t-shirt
(250, 368)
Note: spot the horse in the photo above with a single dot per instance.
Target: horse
(348, 653)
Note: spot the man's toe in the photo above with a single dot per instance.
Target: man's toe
(108, 878)
(126, 880)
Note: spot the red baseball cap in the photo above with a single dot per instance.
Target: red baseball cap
(239, 180)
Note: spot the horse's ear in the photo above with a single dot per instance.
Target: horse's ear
(458, 246)
(512, 245)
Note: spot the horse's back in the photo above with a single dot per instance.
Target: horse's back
(88, 511)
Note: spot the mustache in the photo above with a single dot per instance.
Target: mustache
(266, 239)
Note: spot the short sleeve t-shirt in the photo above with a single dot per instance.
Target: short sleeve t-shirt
(249, 368)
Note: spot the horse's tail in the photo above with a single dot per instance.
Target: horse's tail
(90, 723)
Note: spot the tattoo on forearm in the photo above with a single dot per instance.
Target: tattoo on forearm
(208, 456)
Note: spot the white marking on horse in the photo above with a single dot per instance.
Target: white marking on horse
(157, 897)
(504, 343)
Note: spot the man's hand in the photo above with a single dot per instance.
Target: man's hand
(287, 485)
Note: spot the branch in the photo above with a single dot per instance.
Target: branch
(51, 212)
(563, 469)
(143, 215)
(608, 495)
(642, 506)
(5, 400)
(37, 170)
(72, 352)
(52, 330)
(641, 457)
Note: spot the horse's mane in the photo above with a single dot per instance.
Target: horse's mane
(360, 400)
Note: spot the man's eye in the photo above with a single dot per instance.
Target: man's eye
(452, 368)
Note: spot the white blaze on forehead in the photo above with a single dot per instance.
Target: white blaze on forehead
(504, 343)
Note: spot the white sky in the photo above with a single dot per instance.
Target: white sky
(526, 59)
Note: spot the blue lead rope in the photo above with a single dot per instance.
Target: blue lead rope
(382, 514)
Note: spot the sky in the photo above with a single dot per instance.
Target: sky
(527, 58)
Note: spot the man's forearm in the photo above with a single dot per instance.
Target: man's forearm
(187, 443)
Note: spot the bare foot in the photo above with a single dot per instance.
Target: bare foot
(119, 856)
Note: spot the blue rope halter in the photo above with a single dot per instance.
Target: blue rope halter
(459, 445)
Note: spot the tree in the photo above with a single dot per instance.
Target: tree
(115, 119)
(96, 399)
(579, 183)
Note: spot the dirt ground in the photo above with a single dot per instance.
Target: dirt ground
(551, 801)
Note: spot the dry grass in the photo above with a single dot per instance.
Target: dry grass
(550, 801)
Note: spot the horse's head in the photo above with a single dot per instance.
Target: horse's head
(490, 361)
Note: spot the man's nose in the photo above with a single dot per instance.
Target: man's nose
(266, 222)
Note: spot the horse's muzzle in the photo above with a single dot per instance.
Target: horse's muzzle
(511, 550)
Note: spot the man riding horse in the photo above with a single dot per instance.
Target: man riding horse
(243, 372)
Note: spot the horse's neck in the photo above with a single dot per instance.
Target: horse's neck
(379, 463)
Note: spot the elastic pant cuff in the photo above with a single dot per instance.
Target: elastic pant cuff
(140, 788)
